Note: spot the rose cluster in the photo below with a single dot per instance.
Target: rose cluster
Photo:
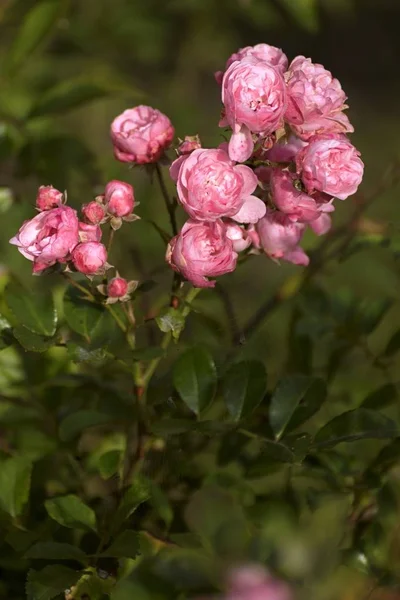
(56, 236)
(287, 159)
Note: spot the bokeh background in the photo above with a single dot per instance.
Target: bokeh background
(69, 67)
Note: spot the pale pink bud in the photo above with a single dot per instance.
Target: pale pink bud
(290, 200)
(330, 164)
(94, 212)
(190, 143)
(89, 258)
(49, 237)
(211, 186)
(254, 583)
(270, 54)
(89, 232)
(315, 100)
(48, 197)
(322, 224)
(119, 198)
(141, 135)
(238, 236)
(280, 237)
(254, 96)
(117, 287)
(201, 250)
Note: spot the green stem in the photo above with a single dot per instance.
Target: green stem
(168, 202)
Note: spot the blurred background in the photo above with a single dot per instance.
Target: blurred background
(69, 67)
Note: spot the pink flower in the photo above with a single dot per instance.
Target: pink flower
(94, 212)
(254, 96)
(202, 250)
(117, 287)
(270, 54)
(119, 198)
(285, 152)
(238, 236)
(89, 232)
(315, 100)
(141, 135)
(290, 200)
(48, 197)
(190, 143)
(90, 258)
(321, 225)
(330, 164)
(254, 583)
(49, 237)
(211, 186)
(280, 237)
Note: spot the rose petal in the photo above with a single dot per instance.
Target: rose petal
(252, 211)
(241, 145)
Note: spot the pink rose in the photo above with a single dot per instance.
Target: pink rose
(285, 152)
(297, 205)
(119, 198)
(321, 225)
(141, 134)
(238, 236)
(330, 164)
(90, 258)
(254, 96)
(117, 287)
(89, 232)
(270, 54)
(190, 143)
(48, 197)
(211, 186)
(254, 583)
(94, 212)
(315, 100)
(280, 237)
(202, 250)
(49, 237)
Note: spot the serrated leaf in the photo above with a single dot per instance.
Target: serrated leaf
(71, 512)
(32, 341)
(81, 315)
(76, 422)
(244, 387)
(15, 481)
(126, 545)
(354, 425)
(55, 551)
(172, 321)
(287, 397)
(35, 311)
(195, 379)
(37, 24)
(49, 582)
(135, 495)
(383, 396)
(66, 96)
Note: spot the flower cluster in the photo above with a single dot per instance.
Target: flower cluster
(287, 159)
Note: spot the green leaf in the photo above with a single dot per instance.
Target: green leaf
(66, 96)
(35, 311)
(71, 512)
(127, 590)
(126, 545)
(172, 426)
(353, 425)
(135, 495)
(76, 422)
(382, 397)
(79, 355)
(82, 315)
(55, 551)
(387, 457)
(287, 397)
(109, 463)
(38, 23)
(32, 341)
(171, 320)
(160, 503)
(15, 481)
(372, 312)
(6, 337)
(49, 582)
(393, 345)
(244, 387)
(310, 404)
(195, 379)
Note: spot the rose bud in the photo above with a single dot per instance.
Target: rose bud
(90, 258)
(141, 135)
(190, 143)
(254, 96)
(94, 212)
(89, 232)
(330, 164)
(211, 186)
(49, 237)
(48, 197)
(315, 100)
(291, 201)
(270, 54)
(201, 250)
(118, 289)
(280, 237)
(119, 198)
(238, 236)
